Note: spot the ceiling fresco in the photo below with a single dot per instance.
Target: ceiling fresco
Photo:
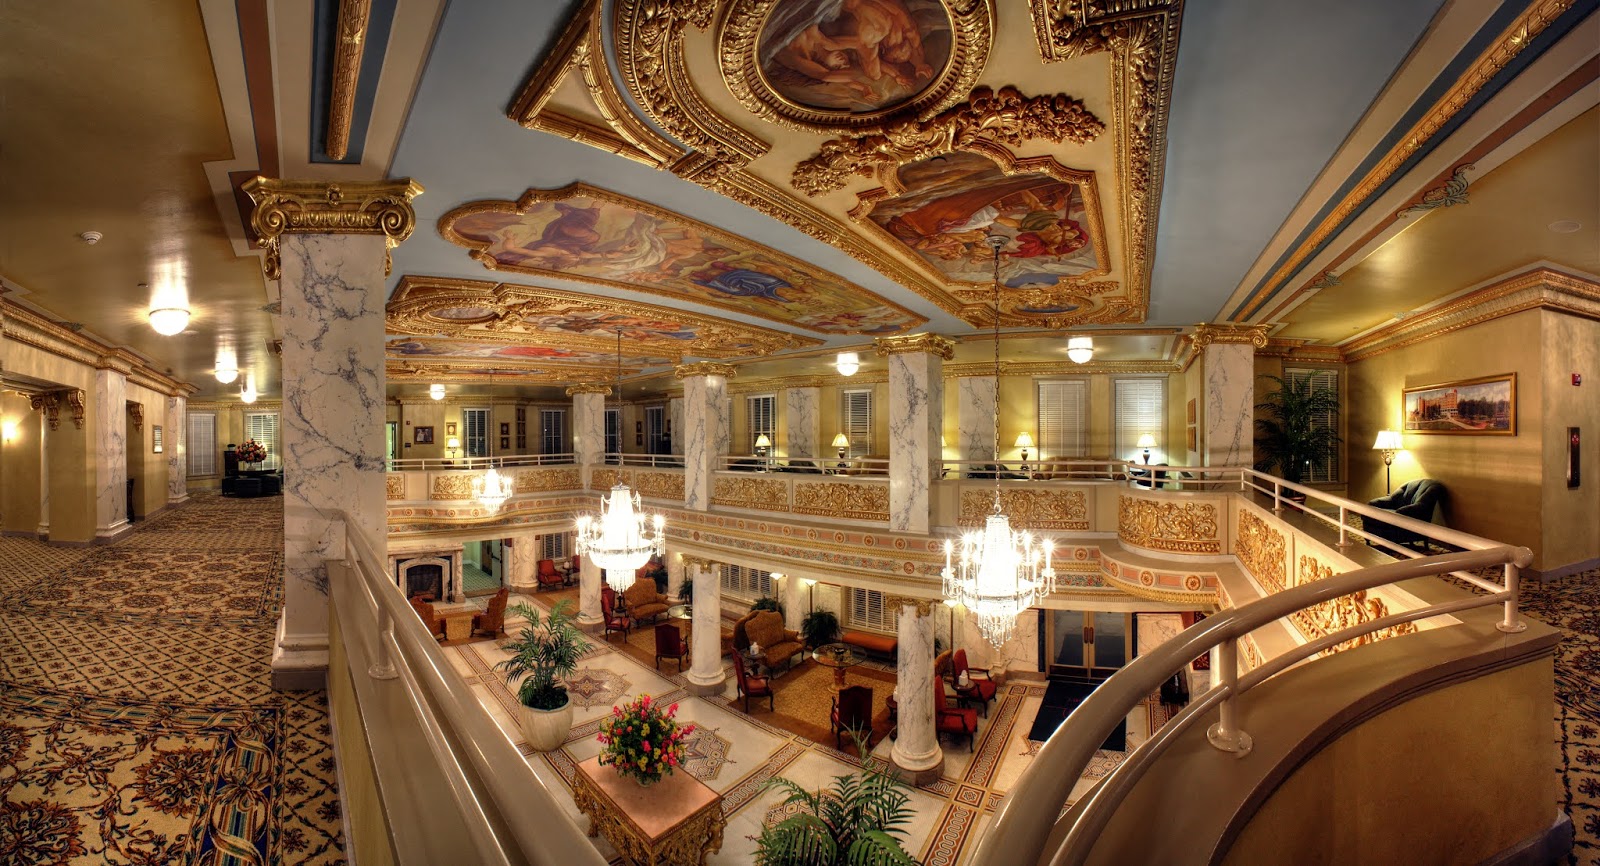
(587, 234)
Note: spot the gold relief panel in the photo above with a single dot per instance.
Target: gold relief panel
(394, 485)
(763, 494)
(908, 344)
(605, 479)
(842, 499)
(1180, 527)
(896, 603)
(452, 486)
(548, 480)
(659, 485)
(1035, 509)
(1207, 334)
(1262, 550)
(1338, 614)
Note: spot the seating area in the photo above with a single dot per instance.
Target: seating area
(883, 645)
(763, 629)
(1422, 499)
(644, 602)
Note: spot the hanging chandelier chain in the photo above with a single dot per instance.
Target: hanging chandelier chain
(996, 241)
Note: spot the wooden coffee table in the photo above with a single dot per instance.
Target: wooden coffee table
(458, 624)
(678, 821)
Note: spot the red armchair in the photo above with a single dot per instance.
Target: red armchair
(616, 620)
(493, 619)
(434, 623)
(852, 712)
(670, 644)
(978, 688)
(952, 720)
(548, 576)
(750, 685)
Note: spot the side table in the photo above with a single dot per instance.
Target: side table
(457, 624)
(678, 821)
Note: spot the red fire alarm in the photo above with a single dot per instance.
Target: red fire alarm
(1577, 378)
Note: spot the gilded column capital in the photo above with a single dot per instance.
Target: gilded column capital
(330, 208)
(1207, 334)
(931, 344)
(49, 405)
(704, 368)
(924, 605)
(114, 363)
(588, 388)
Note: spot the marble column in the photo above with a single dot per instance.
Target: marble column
(109, 448)
(675, 419)
(792, 595)
(916, 418)
(675, 572)
(44, 475)
(590, 579)
(705, 675)
(328, 243)
(588, 426)
(916, 753)
(976, 413)
(802, 422)
(1228, 359)
(706, 411)
(176, 442)
(521, 563)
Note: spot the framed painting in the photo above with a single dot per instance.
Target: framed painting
(505, 443)
(1189, 436)
(1485, 406)
(450, 429)
(505, 428)
(1191, 412)
(422, 435)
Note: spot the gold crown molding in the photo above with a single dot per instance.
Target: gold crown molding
(1300, 350)
(479, 250)
(898, 603)
(351, 43)
(1054, 334)
(905, 344)
(116, 363)
(416, 298)
(25, 327)
(1206, 334)
(982, 369)
(738, 32)
(777, 383)
(1542, 288)
(589, 388)
(323, 207)
(553, 378)
(704, 368)
(1004, 118)
(1496, 57)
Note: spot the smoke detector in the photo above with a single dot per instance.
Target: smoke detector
(91, 238)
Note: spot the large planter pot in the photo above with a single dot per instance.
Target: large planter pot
(546, 730)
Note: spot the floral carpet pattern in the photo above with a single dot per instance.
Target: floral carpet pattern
(137, 723)
(1572, 604)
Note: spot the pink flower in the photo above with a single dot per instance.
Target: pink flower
(672, 710)
(616, 711)
(647, 745)
(644, 701)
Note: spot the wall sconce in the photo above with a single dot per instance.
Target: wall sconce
(1146, 441)
(436, 391)
(1389, 443)
(847, 363)
(1080, 350)
(8, 431)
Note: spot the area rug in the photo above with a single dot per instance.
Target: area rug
(803, 700)
(1061, 697)
(1572, 605)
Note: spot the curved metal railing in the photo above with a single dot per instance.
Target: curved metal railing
(465, 463)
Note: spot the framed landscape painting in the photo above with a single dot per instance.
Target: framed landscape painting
(1476, 407)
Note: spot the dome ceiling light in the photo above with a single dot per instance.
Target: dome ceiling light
(848, 363)
(436, 391)
(1080, 350)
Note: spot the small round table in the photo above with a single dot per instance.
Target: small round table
(680, 611)
(839, 657)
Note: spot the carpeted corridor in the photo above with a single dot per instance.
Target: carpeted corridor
(137, 720)
(1572, 604)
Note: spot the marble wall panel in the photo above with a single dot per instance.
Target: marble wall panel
(1230, 404)
(802, 422)
(976, 412)
(588, 429)
(176, 446)
(108, 437)
(916, 393)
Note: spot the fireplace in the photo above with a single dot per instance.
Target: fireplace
(425, 580)
(427, 574)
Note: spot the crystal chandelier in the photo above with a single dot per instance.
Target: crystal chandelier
(1000, 573)
(620, 542)
(492, 489)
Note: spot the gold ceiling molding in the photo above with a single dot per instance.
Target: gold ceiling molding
(1206, 334)
(589, 388)
(469, 376)
(322, 207)
(704, 368)
(742, 22)
(229, 405)
(1541, 288)
(986, 118)
(350, 44)
(778, 383)
(905, 344)
(1142, 37)
(27, 328)
(49, 405)
(1055, 368)
(1300, 350)
(1505, 49)
(417, 301)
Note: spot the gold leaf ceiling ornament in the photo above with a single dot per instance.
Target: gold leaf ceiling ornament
(1006, 117)
(520, 315)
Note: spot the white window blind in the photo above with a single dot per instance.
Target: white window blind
(1326, 470)
(552, 431)
(867, 610)
(1138, 406)
(475, 424)
(857, 417)
(263, 427)
(758, 412)
(554, 546)
(744, 583)
(202, 443)
(613, 431)
(1063, 419)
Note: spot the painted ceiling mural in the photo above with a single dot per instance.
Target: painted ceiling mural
(889, 129)
(588, 234)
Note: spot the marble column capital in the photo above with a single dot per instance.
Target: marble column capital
(704, 368)
(588, 388)
(928, 344)
(1206, 334)
(330, 208)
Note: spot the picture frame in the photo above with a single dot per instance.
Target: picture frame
(1189, 438)
(450, 428)
(638, 427)
(422, 435)
(1191, 415)
(155, 436)
(1485, 406)
(505, 442)
(505, 428)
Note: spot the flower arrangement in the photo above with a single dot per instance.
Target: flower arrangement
(251, 451)
(644, 741)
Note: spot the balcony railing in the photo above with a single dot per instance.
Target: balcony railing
(502, 462)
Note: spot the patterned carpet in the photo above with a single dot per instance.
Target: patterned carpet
(1573, 605)
(137, 724)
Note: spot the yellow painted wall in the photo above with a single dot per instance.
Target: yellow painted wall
(147, 468)
(19, 491)
(1571, 517)
(1175, 444)
(71, 460)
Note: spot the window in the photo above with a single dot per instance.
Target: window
(867, 610)
(475, 424)
(655, 430)
(557, 545)
(263, 427)
(1063, 419)
(857, 422)
(552, 431)
(759, 413)
(1138, 406)
(202, 443)
(613, 432)
(1325, 471)
(746, 584)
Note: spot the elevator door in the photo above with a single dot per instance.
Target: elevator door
(1092, 644)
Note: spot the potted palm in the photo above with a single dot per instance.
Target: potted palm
(857, 820)
(1292, 438)
(819, 627)
(543, 654)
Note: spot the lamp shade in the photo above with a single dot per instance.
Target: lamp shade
(169, 320)
(453, 443)
(1024, 440)
(763, 442)
(1388, 440)
(1146, 441)
(841, 441)
(847, 363)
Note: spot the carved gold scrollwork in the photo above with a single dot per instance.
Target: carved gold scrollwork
(659, 485)
(1181, 527)
(75, 405)
(394, 486)
(1206, 334)
(452, 486)
(1338, 614)
(846, 499)
(547, 480)
(605, 479)
(704, 368)
(320, 207)
(931, 344)
(588, 388)
(136, 414)
(48, 405)
(764, 494)
(895, 603)
(1262, 551)
(1035, 509)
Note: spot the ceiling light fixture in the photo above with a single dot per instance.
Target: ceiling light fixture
(847, 363)
(999, 573)
(436, 391)
(248, 392)
(1080, 350)
(618, 542)
(227, 369)
(168, 321)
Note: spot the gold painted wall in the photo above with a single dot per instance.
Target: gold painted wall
(19, 492)
(147, 467)
(1571, 517)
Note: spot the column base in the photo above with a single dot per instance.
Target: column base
(711, 686)
(174, 500)
(596, 626)
(112, 533)
(912, 774)
(299, 663)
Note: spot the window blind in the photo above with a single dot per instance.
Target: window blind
(1138, 406)
(867, 610)
(552, 431)
(263, 427)
(1063, 419)
(613, 432)
(475, 424)
(759, 414)
(857, 417)
(1326, 470)
(202, 444)
(744, 583)
(554, 546)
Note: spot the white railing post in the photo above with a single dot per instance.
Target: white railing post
(383, 667)
(1344, 541)
(1277, 496)
(1225, 734)
(1512, 623)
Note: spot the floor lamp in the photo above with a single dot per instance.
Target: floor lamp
(1389, 443)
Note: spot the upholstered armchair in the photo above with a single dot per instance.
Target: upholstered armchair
(750, 685)
(952, 720)
(1422, 499)
(670, 644)
(765, 629)
(615, 619)
(492, 621)
(644, 600)
(852, 712)
(549, 578)
(978, 686)
(434, 623)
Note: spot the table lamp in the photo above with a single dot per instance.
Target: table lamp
(1024, 441)
(841, 442)
(1389, 443)
(1146, 441)
(452, 445)
(762, 444)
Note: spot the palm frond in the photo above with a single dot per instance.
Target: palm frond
(799, 840)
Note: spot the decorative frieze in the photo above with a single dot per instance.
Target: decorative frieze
(764, 494)
(1262, 550)
(1179, 527)
(659, 485)
(1034, 508)
(846, 499)
(1337, 614)
(930, 344)
(394, 485)
(452, 486)
(562, 478)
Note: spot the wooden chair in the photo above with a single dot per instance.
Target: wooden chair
(978, 688)
(548, 576)
(615, 620)
(670, 644)
(751, 685)
(952, 720)
(434, 623)
(852, 712)
(493, 619)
